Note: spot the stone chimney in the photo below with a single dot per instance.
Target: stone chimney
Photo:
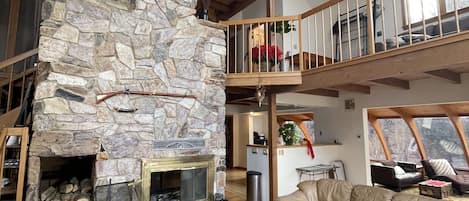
(92, 47)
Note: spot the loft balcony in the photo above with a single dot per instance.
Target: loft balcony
(338, 46)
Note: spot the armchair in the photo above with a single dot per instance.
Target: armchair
(445, 172)
(389, 176)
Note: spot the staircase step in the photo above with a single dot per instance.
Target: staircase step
(8, 119)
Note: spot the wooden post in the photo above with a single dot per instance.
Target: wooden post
(454, 117)
(270, 8)
(379, 132)
(273, 138)
(371, 28)
(413, 128)
(11, 43)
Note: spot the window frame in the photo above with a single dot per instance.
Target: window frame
(442, 13)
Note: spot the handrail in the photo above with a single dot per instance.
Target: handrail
(319, 8)
(260, 20)
(17, 58)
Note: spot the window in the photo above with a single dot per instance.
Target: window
(400, 140)
(441, 140)
(376, 149)
(431, 8)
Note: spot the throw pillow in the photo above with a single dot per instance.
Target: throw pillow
(441, 167)
(398, 170)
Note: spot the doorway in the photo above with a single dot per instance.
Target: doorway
(229, 141)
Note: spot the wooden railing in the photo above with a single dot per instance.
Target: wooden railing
(339, 31)
(14, 72)
(263, 44)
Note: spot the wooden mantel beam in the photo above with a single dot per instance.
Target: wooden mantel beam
(453, 116)
(379, 132)
(413, 128)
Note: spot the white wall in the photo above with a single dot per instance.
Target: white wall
(290, 158)
(351, 127)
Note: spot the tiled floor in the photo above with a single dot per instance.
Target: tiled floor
(235, 185)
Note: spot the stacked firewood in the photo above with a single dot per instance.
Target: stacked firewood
(72, 190)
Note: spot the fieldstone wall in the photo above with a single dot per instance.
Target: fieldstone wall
(88, 47)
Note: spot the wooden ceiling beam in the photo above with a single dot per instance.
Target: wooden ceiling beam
(322, 92)
(453, 116)
(240, 90)
(379, 132)
(354, 88)
(446, 75)
(393, 82)
(239, 97)
(219, 6)
(413, 128)
(238, 6)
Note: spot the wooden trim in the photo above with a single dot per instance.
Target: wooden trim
(446, 75)
(319, 8)
(17, 58)
(265, 78)
(379, 132)
(453, 116)
(393, 82)
(261, 20)
(413, 128)
(272, 145)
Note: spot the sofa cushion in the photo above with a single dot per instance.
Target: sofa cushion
(409, 197)
(398, 170)
(309, 188)
(334, 190)
(409, 175)
(442, 167)
(368, 193)
(295, 196)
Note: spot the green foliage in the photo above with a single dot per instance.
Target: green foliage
(289, 133)
(282, 27)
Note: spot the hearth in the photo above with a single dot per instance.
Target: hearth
(67, 178)
(178, 179)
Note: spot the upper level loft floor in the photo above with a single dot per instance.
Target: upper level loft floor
(348, 45)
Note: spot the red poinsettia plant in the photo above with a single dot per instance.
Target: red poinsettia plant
(270, 52)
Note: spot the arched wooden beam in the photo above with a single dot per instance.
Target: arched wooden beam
(454, 117)
(379, 132)
(303, 129)
(413, 128)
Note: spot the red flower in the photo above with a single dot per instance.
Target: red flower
(271, 52)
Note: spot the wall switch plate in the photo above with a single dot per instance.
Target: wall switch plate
(280, 152)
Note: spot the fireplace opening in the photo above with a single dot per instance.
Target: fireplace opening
(190, 184)
(188, 178)
(67, 178)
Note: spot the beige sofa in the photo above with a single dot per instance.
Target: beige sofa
(335, 190)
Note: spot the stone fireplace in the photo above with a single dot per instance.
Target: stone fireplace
(89, 48)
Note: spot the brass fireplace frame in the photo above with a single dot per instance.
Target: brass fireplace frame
(178, 163)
